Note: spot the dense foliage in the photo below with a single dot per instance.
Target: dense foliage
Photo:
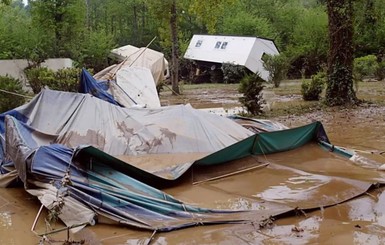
(233, 73)
(9, 101)
(87, 30)
(365, 67)
(64, 79)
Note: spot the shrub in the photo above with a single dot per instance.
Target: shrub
(66, 79)
(380, 72)
(365, 66)
(39, 77)
(311, 90)
(233, 73)
(277, 66)
(251, 87)
(9, 101)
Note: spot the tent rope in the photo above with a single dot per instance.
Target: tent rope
(263, 151)
(17, 94)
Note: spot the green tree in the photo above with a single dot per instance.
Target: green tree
(244, 23)
(340, 58)
(6, 2)
(210, 13)
(94, 49)
(167, 13)
(365, 24)
(19, 39)
(282, 14)
(63, 23)
(309, 45)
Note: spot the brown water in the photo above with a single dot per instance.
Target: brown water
(318, 180)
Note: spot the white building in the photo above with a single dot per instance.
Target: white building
(245, 51)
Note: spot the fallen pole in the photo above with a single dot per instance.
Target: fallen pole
(232, 173)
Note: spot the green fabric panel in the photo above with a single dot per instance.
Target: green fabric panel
(277, 141)
(235, 151)
(264, 143)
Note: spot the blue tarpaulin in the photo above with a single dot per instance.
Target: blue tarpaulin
(89, 85)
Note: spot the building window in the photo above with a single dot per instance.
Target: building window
(224, 45)
(264, 57)
(218, 44)
(199, 43)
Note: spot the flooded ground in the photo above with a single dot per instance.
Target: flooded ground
(275, 187)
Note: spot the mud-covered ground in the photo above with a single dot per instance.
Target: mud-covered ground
(357, 221)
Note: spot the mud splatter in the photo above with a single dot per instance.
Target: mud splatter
(169, 135)
(92, 137)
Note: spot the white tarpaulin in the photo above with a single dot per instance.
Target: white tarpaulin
(139, 85)
(133, 56)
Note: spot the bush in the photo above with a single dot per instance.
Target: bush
(251, 87)
(9, 101)
(311, 90)
(233, 73)
(380, 72)
(277, 66)
(66, 79)
(366, 66)
(39, 77)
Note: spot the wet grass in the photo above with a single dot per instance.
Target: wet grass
(287, 87)
(294, 108)
(287, 98)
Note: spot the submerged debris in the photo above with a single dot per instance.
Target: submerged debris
(267, 223)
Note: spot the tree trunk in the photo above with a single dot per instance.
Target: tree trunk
(135, 24)
(340, 58)
(174, 50)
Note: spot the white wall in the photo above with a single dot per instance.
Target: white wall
(254, 62)
(237, 49)
(14, 68)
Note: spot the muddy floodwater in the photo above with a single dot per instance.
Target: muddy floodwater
(360, 220)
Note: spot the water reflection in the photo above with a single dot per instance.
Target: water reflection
(371, 209)
(5, 220)
(242, 204)
(295, 188)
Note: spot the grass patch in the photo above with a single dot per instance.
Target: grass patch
(295, 108)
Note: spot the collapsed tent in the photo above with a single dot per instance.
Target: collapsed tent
(107, 161)
(132, 87)
(132, 83)
(140, 57)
